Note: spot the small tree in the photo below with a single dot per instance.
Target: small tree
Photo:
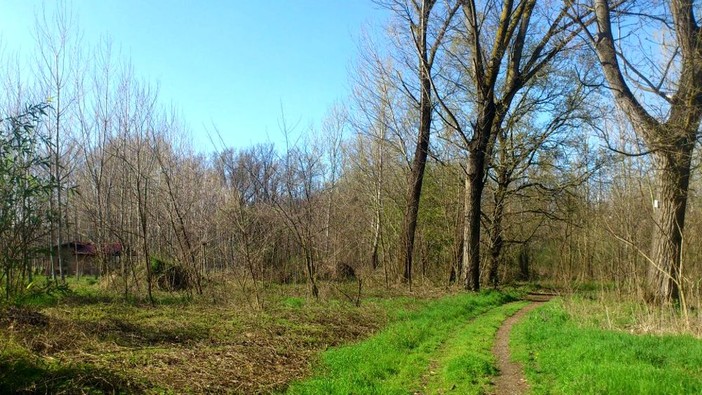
(24, 195)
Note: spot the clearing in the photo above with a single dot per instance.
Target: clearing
(435, 342)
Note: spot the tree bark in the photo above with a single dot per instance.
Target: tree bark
(672, 141)
(422, 148)
(673, 179)
(496, 238)
(417, 176)
(475, 182)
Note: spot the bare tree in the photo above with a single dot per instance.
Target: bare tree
(428, 23)
(302, 171)
(58, 53)
(332, 135)
(247, 175)
(670, 131)
(135, 151)
(549, 118)
(175, 169)
(501, 48)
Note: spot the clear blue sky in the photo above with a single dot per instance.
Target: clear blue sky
(232, 63)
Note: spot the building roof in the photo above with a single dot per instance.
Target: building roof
(90, 249)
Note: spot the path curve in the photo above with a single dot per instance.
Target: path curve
(511, 379)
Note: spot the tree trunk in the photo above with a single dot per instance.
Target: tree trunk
(475, 182)
(417, 176)
(496, 239)
(674, 177)
(457, 267)
(672, 142)
(378, 208)
(311, 275)
(524, 271)
(503, 179)
(425, 59)
(471, 230)
(141, 208)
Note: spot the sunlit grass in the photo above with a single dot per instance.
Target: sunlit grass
(564, 356)
(88, 338)
(466, 364)
(397, 359)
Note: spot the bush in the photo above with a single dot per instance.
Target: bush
(169, 276)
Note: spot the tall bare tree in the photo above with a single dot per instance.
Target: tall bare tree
(500, 50)
(58, 43)
(669, 130)
(428, 22)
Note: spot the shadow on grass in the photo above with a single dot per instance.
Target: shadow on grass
(128, 334)
(20, 375)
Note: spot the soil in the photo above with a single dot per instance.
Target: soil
(511, 379)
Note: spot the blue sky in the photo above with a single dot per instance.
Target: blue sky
(228, 63)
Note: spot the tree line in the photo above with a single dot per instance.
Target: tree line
(483, 142)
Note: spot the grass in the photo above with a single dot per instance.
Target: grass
(465, 364)
(565, 355)
(624, 312)
(25, 374)
(87, 339)
(396, 361)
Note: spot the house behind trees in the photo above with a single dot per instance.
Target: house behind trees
(84, 258)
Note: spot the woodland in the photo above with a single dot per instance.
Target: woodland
(487, 149)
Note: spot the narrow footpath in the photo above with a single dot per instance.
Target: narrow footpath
(511, 380)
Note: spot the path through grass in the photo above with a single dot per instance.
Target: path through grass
(465, 364)
(397, 360)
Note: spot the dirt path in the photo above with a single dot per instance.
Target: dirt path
(511, 379)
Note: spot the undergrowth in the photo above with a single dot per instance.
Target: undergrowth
(609, 310)
(87, 338)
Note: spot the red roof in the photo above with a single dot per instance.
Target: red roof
(90, 249)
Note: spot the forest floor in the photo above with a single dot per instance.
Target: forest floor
(432, 341)
(89, 339)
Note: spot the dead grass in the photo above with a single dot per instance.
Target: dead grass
(218, 342)
(613, 311)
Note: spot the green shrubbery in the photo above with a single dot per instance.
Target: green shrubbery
(169, 276)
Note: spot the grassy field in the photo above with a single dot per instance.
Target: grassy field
(90, 340)
(566, 354)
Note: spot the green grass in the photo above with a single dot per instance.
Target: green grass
(466, 364)
(25, 374)
(88, 339)
(396, 360)
(293, 302)
(562, 357)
